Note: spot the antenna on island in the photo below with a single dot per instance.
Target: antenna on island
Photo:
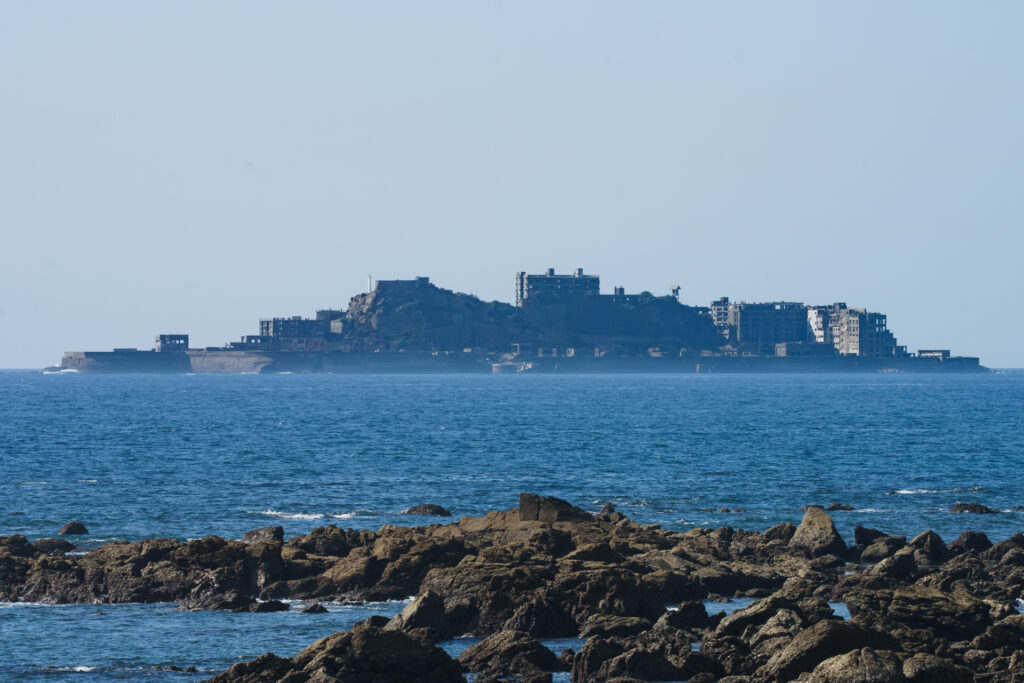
(369, 284)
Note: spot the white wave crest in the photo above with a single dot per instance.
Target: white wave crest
(289, 515)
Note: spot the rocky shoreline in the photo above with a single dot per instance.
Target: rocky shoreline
(921, 610)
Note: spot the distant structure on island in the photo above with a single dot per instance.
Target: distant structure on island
(559, 323)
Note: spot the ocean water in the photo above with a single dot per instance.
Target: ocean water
(188, 456)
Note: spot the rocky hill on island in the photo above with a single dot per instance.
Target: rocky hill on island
(419, 316)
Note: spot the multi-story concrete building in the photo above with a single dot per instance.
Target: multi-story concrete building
(551, 285)
(294, 327)
(859, 332)
(719, 312)
(758, 328)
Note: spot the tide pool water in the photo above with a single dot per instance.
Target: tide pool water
(188, 456)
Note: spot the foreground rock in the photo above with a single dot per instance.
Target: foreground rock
(510, 653)
(551, 570)
(366, 653)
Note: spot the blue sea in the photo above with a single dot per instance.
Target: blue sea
(189, 456)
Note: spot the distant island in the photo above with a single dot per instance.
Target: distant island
(559, 323)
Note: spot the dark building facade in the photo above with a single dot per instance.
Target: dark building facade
(551, 285)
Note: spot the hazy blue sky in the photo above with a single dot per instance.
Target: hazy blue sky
(191, 167)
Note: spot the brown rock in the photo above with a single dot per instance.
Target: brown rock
(860, 666)
(926, 668)
(510, 652)
(53, 546)
(548, 509)
(73, 529)
(817, 535)
(428, 510)
(366, 653)
(973, 508)
(268, 534)
(821, 641)
(970, 541)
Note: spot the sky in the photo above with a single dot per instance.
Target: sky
(191, 167)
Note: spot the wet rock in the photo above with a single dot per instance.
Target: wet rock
(607, 508)
(268, 606)
(53, 546)
(315, 608)
(549, 509)
(817, 535)
(821, 641)
(973, 508)
(970, 541)
(839, 507)
(268, 534)
(511, 652)
(883, 547)
(366, 653)
(860, 666)
(865, 536)
(428, 510)
(73, 529)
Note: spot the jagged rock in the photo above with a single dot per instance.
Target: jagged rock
(865, 536)
(268, 534)
(821, 641)
(649, 656)
(366, 653)
(689, 615)
(883, 547)
(609, 625)
(860, 666)
(53, 546)
(970, 541)
(974, 508)
(926, 668)
(268, 606)
(331, 541)
(900, 566)
(315, 608)
(953, 616)
(997, 551)
(817, 535)
(931, 548)
(73, 529)
(780, 532)
(428, 510)
(607, 508)
(839, 507)
(549, 509)
(425, 618)
(511, 652)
